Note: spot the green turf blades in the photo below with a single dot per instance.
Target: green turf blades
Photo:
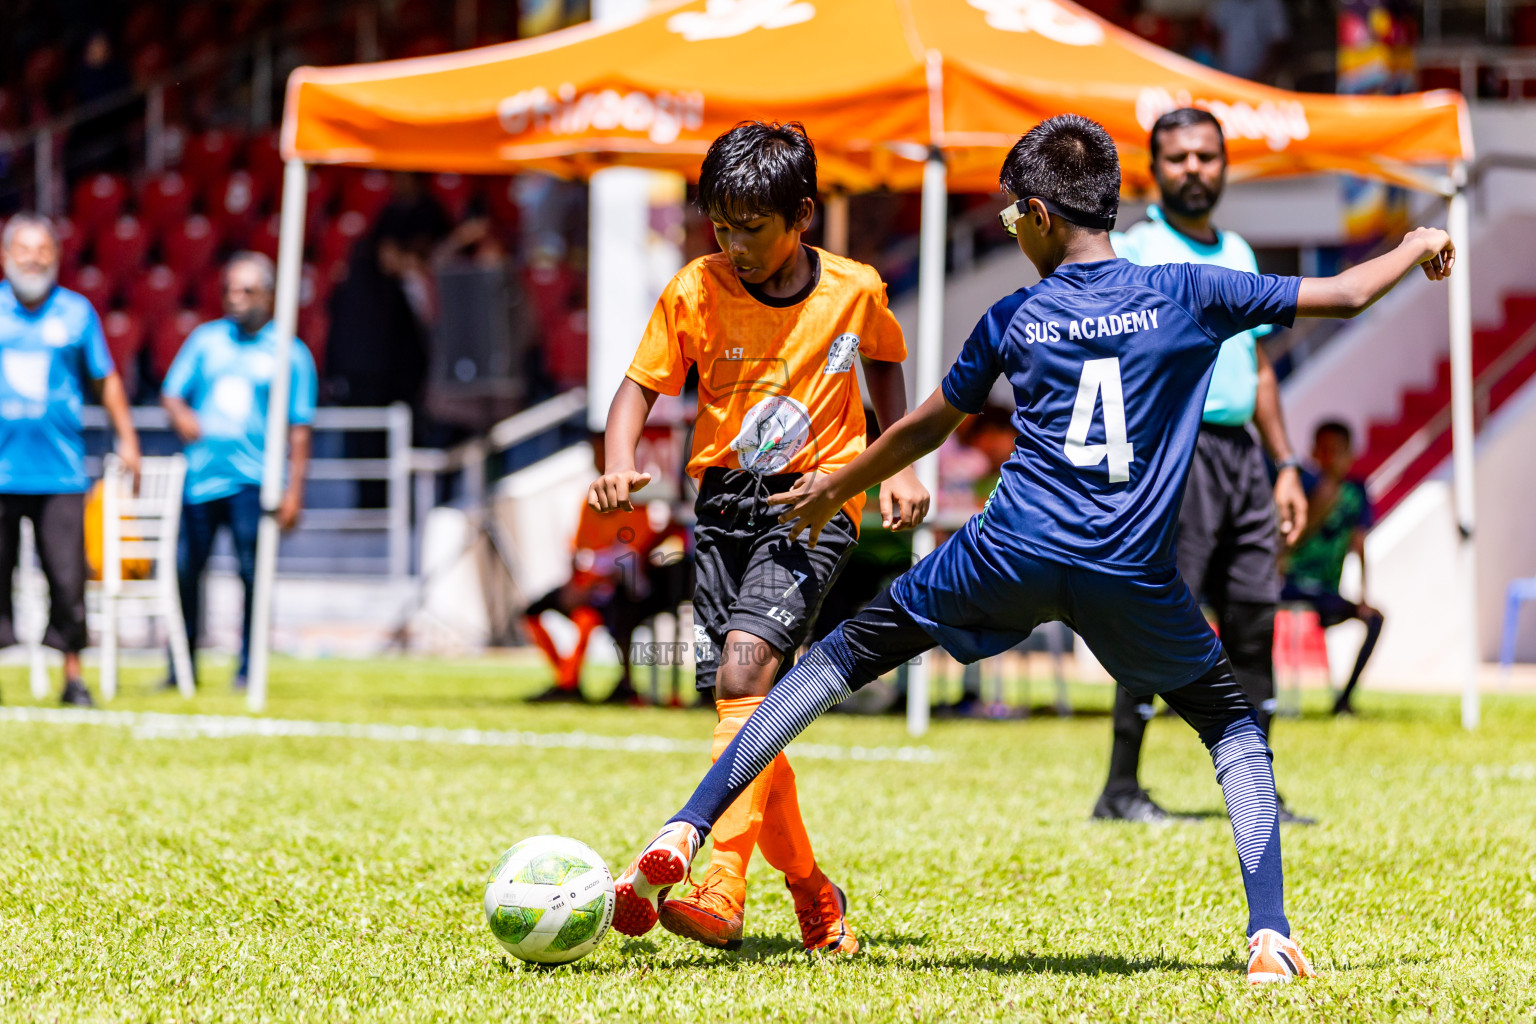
(512, 924)
(580, 927)
(550, 869)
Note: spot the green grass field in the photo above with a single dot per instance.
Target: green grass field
(247, 878)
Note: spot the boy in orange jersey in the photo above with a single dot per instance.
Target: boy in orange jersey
(609, 585)
(773, 326)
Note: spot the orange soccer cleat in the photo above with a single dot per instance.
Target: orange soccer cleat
(662, 864)
(1273, 957)
(712, 913)
(822, 909)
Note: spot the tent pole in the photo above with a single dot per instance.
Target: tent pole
(290, 254)
(930, 341)
(1463, 440)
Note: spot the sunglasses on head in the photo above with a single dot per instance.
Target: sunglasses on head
(1015, 211)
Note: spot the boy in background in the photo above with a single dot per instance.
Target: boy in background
(1341, 513)
(774, 327)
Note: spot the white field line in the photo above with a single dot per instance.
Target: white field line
(152, 725)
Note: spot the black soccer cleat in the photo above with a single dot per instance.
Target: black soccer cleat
(1130, 805)
(76, 695)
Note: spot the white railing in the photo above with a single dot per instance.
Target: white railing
(394, 422)
(468, 460)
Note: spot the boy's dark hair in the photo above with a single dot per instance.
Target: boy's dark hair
(1337, 427)
(1068, 160)
(1184, 117)
(756, 170)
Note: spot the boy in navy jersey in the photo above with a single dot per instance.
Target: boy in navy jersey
(1109, 364)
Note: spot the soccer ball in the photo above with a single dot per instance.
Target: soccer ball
(549, 900)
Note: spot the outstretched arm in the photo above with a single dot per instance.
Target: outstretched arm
(1352, 292)
(626, 419)
(816, 498)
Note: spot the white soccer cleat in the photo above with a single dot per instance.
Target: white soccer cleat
(661, 865)
(1274, 957)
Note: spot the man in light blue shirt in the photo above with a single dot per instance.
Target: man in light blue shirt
(52, 355)
(1228, 541)
(216, 393)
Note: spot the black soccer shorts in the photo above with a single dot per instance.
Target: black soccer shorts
(750, 576)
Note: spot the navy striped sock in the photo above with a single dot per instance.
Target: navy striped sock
(1242, 762)
(818, 681)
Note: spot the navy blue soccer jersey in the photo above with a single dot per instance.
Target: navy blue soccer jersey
(1109, 364)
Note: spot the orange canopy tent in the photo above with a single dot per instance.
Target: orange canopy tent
(896, 93)
(876, 82)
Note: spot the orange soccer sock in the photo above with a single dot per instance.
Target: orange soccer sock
(783, 840)
(587, 619)
(544, 642)
(736, 833)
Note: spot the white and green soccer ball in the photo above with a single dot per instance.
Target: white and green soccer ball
(549, 900)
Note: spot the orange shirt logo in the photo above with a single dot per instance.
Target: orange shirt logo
(777, 387)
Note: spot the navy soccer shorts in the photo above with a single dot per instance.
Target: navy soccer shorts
(977, 599)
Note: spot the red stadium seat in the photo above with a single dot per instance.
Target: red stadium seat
(165, 202)
(166, 340)
(190, 246)
(565, 349)
(264, 237)
(367, 192)
(340, 235)
(94, 285)
(501, 201)
(314, 288)
(98, 202)
(70, 244)
(314, 330)
(552, 289)
(120, 249)
(207, 158)
(125, 340)
(208, 292)
(265, 163)
(324, 183)
(155, 294)
(232, 207)
(453, 191)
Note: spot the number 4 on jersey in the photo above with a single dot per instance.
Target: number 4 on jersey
(1100, 376)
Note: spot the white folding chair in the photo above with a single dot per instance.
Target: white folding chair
(142, 526)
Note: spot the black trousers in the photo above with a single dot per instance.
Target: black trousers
(1228, 542)
(58, 523)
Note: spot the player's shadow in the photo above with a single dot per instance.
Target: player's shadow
(1090, 964)
(772, 947)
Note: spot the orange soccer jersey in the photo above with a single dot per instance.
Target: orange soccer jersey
(777, 386)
